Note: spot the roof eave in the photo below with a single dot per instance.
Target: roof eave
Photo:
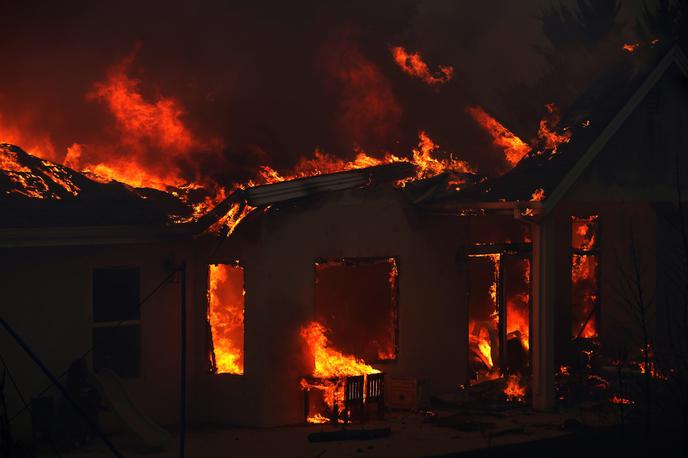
(675, 55)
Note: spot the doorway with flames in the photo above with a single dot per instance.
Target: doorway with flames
(499, 316)
(355, 326)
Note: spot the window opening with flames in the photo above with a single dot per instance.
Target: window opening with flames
(584, 277)
(498, 314)
(226, 318)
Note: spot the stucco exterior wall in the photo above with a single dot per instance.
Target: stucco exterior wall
(278, 249)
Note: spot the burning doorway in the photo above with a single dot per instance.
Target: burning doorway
(355, 323)
(498, 312)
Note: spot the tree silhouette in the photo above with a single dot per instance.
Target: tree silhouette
(663, 20)
(591, 23)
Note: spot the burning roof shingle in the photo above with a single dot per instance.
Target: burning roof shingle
(39, 193)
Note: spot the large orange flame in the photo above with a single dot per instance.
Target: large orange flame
(412, 64)
(514, 148)
(328, 361)
(146, 128)
(331, 367)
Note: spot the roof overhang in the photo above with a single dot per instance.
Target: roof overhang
(674, 56)
(258, 196)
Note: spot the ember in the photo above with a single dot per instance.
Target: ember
(616, 399)
(538, 195)
(630, 47)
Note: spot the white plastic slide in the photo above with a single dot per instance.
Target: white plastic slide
(115, 395)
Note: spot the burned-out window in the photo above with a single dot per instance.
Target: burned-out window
(356, 300)
(498, 313)
(584, 277)
(116, 320)
(226, 318)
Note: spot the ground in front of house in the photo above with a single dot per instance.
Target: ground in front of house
(516, 431)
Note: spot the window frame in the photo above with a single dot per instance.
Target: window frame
(357, 260)
(516, 250)
(113, 324)
(593, 251)
(210, 345)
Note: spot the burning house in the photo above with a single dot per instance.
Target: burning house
(309, 295)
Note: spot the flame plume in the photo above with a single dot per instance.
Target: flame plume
(514, 148)
(331, 367)
(412, 64)
(547, 134)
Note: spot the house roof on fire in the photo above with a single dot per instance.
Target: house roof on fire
(46, 203)
(41, 194)
(592, 120)
(36, 194)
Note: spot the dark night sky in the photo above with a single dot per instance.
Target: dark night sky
(272, 81)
